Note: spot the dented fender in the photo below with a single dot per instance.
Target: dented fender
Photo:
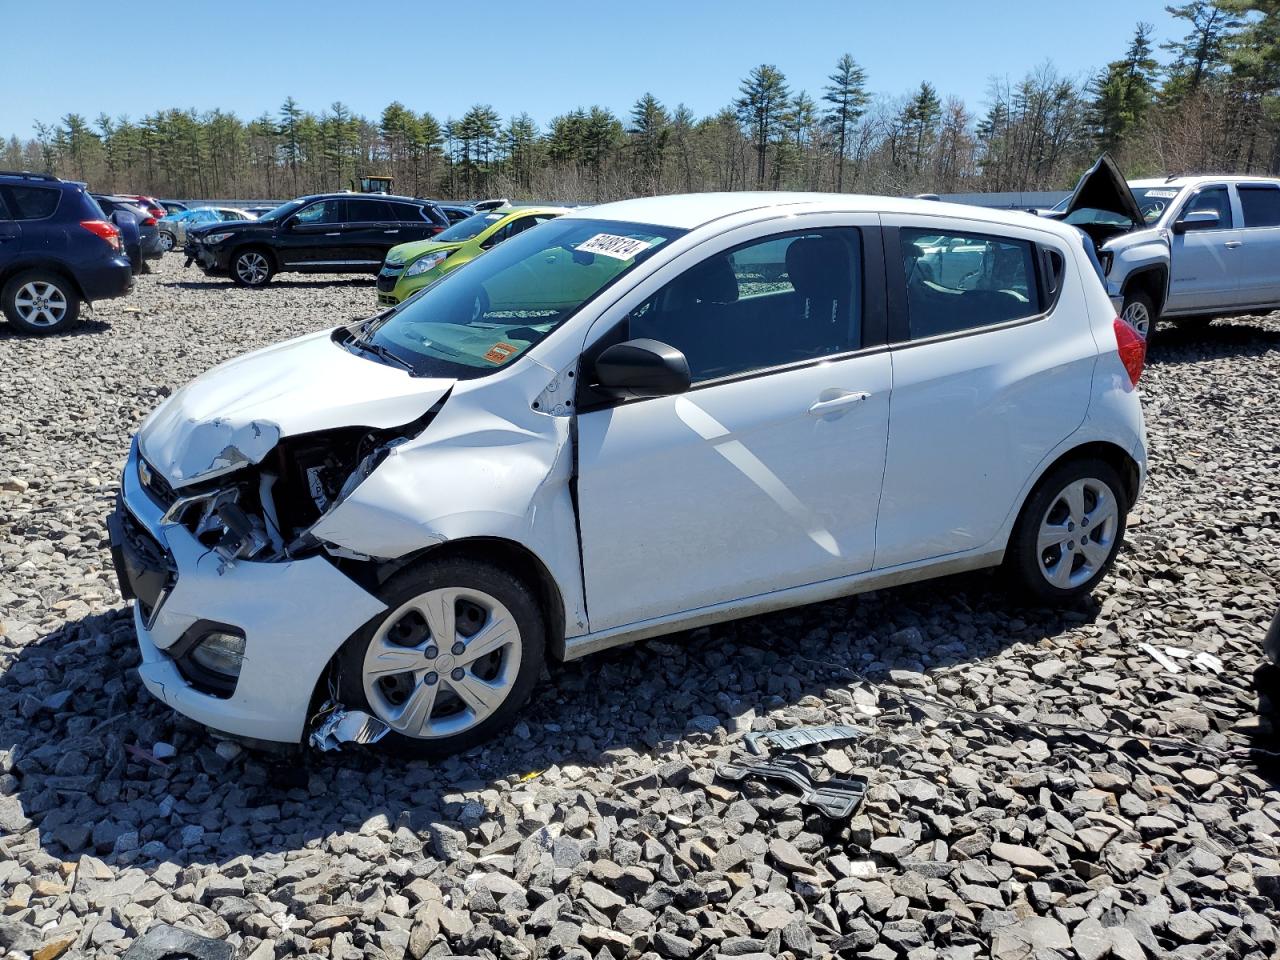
(488, 466)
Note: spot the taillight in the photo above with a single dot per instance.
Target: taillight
(436, 229)
(1132, 349)
(156, 211)
(107, 231)
(149, 222)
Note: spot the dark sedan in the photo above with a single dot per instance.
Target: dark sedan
(139, 230)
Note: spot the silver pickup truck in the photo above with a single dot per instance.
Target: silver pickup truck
(1185, 249)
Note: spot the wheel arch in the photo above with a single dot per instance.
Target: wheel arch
(1110, 453)
(10, 271)
(258, 245)
(1153, 281)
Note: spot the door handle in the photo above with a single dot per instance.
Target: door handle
(390, 231)
(336, 233)
(1232, 244)
(837, 404)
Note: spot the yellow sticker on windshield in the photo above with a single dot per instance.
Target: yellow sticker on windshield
(611, 245)
(501, 352)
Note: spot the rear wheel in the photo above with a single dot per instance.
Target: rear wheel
(40, 302)
(1139, 312)
(1069, 531)
(252, 268)
(453, 660)
(167, 241)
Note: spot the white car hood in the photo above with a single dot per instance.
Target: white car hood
(234, 414)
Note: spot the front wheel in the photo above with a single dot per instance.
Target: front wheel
(251, 268)
(453, 660)
(1069, 532)
(40, 302)
(1139, 312)
(167, 241)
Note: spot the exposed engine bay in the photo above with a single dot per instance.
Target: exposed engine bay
(265, 511)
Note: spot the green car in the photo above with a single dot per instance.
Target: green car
(411, 266)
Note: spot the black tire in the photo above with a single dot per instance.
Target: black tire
(1138, 303)
(30, 320)
(1025, 562)
(513, 594)
(252, 267)
(167, 241)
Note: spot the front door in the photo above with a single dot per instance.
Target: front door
(313, 238)
(766, 474)
(1205, 260)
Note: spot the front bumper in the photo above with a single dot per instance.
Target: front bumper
(388, 279)
(210, 259)
(294, 616)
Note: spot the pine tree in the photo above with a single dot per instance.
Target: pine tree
(848, 99)
(760, 108)
(650, 130)
(1124, 92)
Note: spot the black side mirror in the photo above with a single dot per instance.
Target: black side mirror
(1198, 220)
(641, 368)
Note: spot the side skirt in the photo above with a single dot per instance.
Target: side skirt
(589, 643)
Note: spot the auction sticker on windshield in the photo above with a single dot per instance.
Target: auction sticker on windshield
(611, 245)
(1161, 194)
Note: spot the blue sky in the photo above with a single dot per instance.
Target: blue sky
(524, 55)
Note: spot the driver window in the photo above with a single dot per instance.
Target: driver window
(1215, 199)
(776, 301)
(325, 211)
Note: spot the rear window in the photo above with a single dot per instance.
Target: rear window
(34, 203)
(1261, 205)
(963, 281)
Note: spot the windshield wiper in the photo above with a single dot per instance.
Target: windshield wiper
(382, 353)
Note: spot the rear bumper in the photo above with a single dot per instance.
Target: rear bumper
(106, 279)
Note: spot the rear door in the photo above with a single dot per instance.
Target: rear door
(1259, 252)
(992, 369)
(372, 229)
(10, 232)
(1205, 259)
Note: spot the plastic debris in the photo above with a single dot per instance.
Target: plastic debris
(163, 751)
(834, 797)
(340, 725)
(1207, 661)
(165, 942)
(1159, 658)
(800, 737)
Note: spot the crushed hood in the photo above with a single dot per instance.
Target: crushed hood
(1103, 187)
(234, 414)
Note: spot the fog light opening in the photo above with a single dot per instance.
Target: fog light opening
(220, 652)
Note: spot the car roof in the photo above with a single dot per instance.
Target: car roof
(352, 195)
(527, 208)
(692, 210)
(1191, 181)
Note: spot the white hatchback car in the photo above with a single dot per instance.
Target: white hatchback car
(637, 418)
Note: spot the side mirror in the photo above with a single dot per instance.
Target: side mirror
(642, 368)
(1197, 220)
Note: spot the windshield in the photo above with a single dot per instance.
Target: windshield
(490, 311)
(1154, 201)
(468, 228)
(282, 211)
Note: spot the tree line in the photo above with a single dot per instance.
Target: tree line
(1207, 102)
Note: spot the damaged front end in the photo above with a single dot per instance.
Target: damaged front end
(265, 510)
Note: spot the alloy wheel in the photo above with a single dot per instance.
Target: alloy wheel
(167, 242)
(1077, 533)
(40, 304)
(442, 663)
(252, 268)
(1138, 316)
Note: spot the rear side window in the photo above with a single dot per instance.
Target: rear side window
(34, 203)
(1261, 205)
(963, 281)
(777, 301)
(363, 211)
(4, 211)
(406, 211)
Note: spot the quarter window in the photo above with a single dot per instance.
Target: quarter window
(1261, 205)
(33, 203)
(786, 299)
(962, 281)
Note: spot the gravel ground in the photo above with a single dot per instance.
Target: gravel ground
(598, 829)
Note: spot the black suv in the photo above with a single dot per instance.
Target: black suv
(57, 250)
(324, 233)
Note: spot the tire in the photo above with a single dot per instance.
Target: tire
(1050, 532)
(1140, 313)
(167, 241)
(1193, 324)
(435, 674)
(41, 302)
(252, 267)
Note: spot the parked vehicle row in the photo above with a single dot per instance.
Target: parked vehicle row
(1186, 249)
(139, 229)
(174, 227)
(625, 421)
